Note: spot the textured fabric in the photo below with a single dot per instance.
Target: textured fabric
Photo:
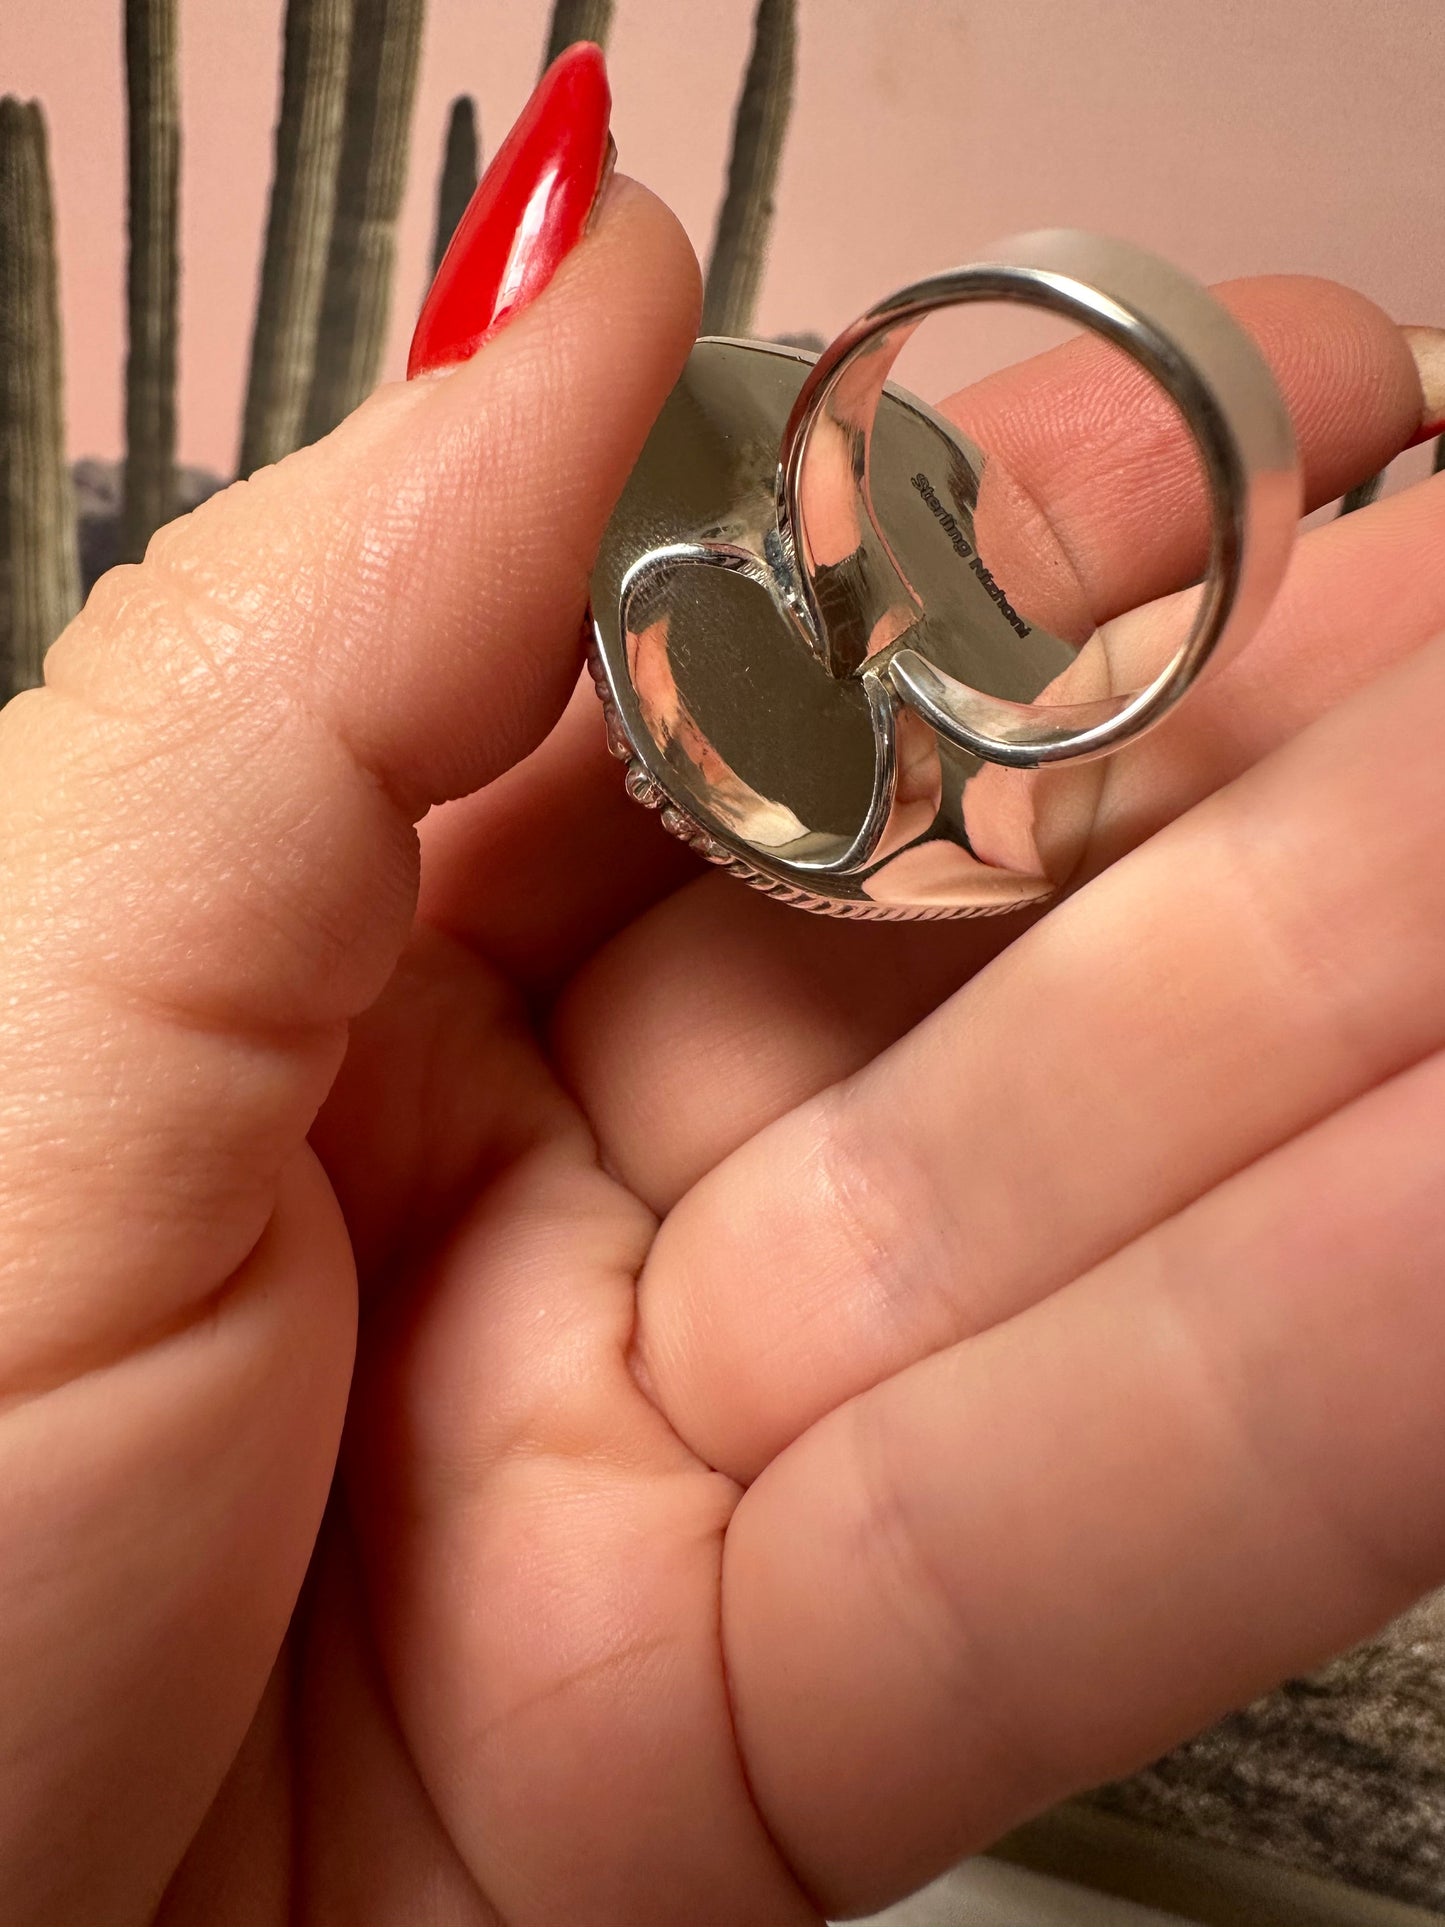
(1341, 1775)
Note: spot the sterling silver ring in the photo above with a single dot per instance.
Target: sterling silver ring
(849, 656)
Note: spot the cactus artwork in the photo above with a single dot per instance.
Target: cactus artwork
(298, 229)
(348, 87)
(39, 584)
(574, 20)
(745, 220)
(153, 270)
(356, 303)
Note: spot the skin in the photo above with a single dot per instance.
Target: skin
(539, 1386)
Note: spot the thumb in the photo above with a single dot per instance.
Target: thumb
(209, 865)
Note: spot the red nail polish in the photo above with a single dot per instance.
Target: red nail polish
(529, 211)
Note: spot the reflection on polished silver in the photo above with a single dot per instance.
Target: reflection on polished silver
(850, 657)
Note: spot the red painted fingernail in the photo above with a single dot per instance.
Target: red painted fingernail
(530, 210)
(1427, 345)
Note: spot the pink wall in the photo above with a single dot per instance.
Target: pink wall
(1236, 135)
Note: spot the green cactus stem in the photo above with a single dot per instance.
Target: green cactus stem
(356, 303)
(745, 220)
(39, 579)
(153, 270)
(1362, 494)
(460, 169)
(307, 166)
(574, 20)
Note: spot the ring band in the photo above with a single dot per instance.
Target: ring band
(815, 674)
(1202, 359)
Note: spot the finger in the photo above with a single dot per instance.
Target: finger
(721, 1010)
(1213, 1462)
(1261, 962)
(253, 719)
(1095, 447)
(791, 1005)
(1084, 435)
(1361, 594)
(551, 860)
(210, 866)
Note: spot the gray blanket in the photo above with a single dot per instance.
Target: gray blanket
(1341, 1775)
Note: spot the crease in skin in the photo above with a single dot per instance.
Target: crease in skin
(615, 1659)
(336, 1568)
(940, 1613)
(848, 1193)
(203, 615)
(1386, 1578)
(63, 1367)
(784, 1860)
(356, 807)
(157, 1527)
(267, 1033)
(175, 1229)
(1389, 1579)
(266, 1750)
(1301, 972)
(128, 598)
(1134, 644)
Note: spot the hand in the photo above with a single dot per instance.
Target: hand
(814, 1404)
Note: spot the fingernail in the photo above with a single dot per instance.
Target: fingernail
(1427, 345)
(530, 210)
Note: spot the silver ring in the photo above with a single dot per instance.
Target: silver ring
(1201, 358)
(813, 672)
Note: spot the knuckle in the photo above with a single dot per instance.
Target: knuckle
(880, 1194)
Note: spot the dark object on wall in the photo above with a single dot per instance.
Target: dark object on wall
(97, 491)
(1361, 496)
(298, 229)
(461, 167)
(39, 588)
(745, 220)
(152, 271)
(356, 304)
(1368, 491)
(574, 20)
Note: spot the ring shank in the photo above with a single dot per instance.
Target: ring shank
(1197, 353)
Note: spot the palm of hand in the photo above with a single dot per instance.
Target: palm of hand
(817, 1400)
